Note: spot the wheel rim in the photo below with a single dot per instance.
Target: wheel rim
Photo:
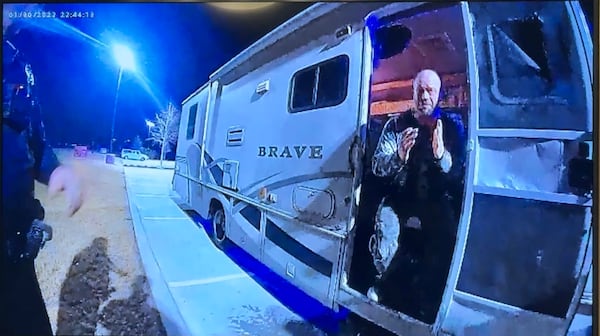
(219, 225)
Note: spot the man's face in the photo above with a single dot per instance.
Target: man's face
(426, 92)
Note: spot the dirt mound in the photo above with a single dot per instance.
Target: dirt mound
(87, 288)
(133, 316)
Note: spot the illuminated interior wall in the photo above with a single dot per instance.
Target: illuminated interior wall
(397, 95)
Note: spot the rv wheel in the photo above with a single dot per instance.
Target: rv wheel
(218, 222)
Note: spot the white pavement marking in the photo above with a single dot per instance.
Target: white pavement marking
(207, 281)
(152, 195)
(164, 218)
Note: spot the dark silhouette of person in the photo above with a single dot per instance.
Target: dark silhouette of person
(26, 157)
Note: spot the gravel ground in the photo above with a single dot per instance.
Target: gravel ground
(90, 273)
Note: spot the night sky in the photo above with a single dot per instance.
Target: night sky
(176, 46)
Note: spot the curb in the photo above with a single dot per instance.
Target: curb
(139, 166)
(169, 311)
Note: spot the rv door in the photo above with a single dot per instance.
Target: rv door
(198, 114)
(523, 252)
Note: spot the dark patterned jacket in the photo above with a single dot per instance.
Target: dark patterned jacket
(422, 177)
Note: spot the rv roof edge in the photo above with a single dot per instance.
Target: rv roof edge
(195, 92)
(299, 20)
(396, 7)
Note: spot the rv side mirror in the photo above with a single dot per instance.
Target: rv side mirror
(392, 40)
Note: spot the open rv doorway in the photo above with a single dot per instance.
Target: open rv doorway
(492, 234)
(411, 195)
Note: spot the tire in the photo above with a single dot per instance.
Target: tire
(219, 228)
(143, 159)
(126, 157)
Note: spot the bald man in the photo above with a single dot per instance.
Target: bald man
(421, 152)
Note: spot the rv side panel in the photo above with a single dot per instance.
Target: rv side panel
(258, 140)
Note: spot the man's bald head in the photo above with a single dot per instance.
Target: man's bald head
(428, 76)
(426, 91)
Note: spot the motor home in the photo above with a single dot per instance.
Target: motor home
(277, 149)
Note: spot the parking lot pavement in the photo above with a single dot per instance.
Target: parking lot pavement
(197, 288)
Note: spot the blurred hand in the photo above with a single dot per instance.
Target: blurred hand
(65, 179)
(438, 141)
(407, 141)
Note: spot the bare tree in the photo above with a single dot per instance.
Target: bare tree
(136, 143)
(166, 130)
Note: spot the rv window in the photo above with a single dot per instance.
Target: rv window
(524, 266)
(333, 82)
(192, 122)
(320, 85)
(521, 57)
(303, 89)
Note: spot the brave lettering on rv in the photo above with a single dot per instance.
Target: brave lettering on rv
(315, 152)
(299, 150)
(286, 152)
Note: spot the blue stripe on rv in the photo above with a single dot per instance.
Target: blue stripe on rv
(252, 215)
(297, 250)
(288, 243)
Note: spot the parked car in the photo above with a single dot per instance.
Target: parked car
(133, 154)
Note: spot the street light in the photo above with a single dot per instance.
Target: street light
(126, 61)
(124, 57)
